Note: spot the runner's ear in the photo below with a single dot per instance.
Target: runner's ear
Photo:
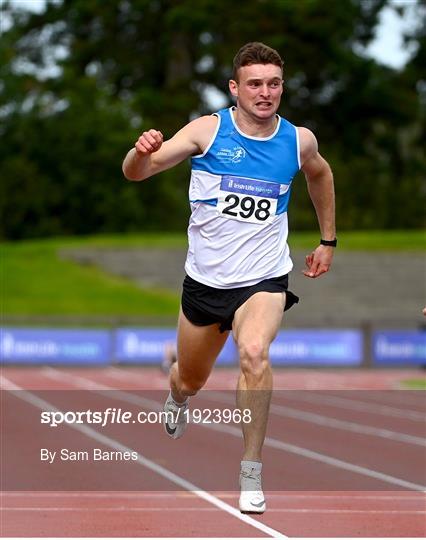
(233, 87)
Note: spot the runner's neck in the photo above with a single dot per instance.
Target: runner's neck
(252, 128)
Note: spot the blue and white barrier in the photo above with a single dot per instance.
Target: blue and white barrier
(318, 347)
(403, 347)
(312, 347)
(53, 346)
(145, 346)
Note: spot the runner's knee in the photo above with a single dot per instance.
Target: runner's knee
(253, 357)
(190, 386)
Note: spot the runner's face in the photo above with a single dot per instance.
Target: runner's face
(259, 89)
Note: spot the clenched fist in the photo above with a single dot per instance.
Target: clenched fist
(149, 142)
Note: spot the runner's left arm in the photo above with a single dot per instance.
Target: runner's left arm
(319, 178)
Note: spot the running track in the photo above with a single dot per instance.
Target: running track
(346, 458)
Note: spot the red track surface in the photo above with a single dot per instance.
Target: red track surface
(339, 460)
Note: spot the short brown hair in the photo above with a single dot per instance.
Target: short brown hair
(255, 53)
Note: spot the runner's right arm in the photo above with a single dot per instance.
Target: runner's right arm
(151, 155)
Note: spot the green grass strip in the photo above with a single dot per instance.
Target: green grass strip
(36, 281)
(414, 384)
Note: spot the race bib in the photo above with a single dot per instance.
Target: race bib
(246, 199)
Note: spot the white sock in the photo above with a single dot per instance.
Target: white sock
(252, 465)
(178, 404)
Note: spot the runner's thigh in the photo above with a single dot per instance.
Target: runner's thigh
(259, 318)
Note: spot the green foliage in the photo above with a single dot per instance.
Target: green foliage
(82, 79)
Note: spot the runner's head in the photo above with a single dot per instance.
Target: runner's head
(257, 82)
(255, 53)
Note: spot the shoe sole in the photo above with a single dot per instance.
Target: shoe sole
(252, 512)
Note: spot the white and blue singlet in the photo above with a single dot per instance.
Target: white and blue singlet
(239, 194)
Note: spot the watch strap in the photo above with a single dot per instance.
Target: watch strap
(332, 243)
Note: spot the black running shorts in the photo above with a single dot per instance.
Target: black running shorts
(204, 305)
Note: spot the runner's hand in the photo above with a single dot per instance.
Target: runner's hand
(319, 261)
(149, 142)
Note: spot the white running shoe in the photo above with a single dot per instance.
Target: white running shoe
(175, 420)
(252, 500)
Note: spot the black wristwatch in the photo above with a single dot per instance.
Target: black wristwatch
(332, 243)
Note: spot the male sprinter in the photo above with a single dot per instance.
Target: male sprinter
(243, 161)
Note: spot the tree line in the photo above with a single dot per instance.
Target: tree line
(80, 80)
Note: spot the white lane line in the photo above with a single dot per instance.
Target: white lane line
(82, 382)
(317, 397)
(198, 509)
(327, 421)
(87, 384)
(7, 385)
(346, 425)
(355, 405)
(395, 396)
(145, 462)
(316, 456)
(279, 410)
(108, 509)
(95, 495)
(342, 511)
(360, 496)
